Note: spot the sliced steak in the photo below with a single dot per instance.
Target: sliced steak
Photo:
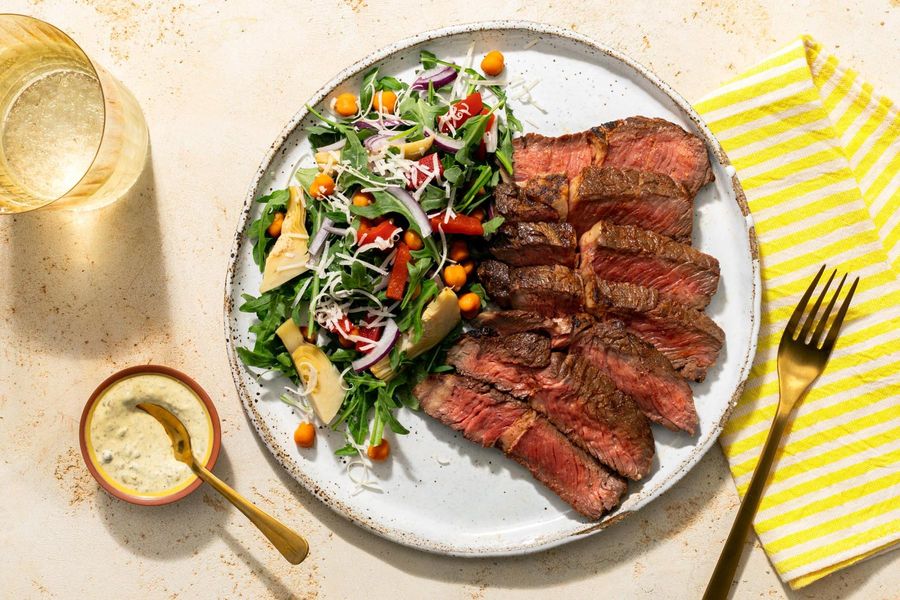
(639, 370)
(687, 337)
(523, 244)
(491, 418)
(538, 199)
(535, 155)
(560, 329)
(551, 290)
(657, 146)
(579, 400)
(628, 197)
(627, 254)
(494, 275)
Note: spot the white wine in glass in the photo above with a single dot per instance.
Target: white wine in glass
(71, 136)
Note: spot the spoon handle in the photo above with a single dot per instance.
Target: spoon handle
(291, 545)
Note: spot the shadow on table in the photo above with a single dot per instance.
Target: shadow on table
(623, 543)
(87, 284)
(190, 524)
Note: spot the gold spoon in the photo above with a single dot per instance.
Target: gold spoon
(291, 545)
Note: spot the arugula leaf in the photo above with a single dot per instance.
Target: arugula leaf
(275, 201)
(473, 132)
(353, 151)
(428, 59)
(390, 83)
(356, 278)
(492, 225)
(417, 271)
(385, 203)
(367, 89)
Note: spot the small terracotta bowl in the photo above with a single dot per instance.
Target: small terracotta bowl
(93, 462)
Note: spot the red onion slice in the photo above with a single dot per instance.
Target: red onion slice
(335, 146)
(445, 142)
(389, 335)
(380, 124)
(438, 77)
(410, 203)
(379, 140)
(316, 246)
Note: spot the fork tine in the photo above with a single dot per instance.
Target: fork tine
(820, 328)
(807, 325)
(828, 344)
(798, 312)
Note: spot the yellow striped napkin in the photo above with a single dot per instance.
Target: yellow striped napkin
(818, 154)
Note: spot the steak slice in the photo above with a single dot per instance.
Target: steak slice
(539, 199)
(658, 146)
(535, 155)
(548, 289)
(494, 275)
(687, 337)
(523, 244)
(639, 370)
(551, 290)
(560, 329)
(627, 254)
(491, 418)
(579, 400)
(628, 197)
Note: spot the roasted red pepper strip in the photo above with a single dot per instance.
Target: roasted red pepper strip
(425, 167)
(461, 224)
(382, 231)
(399, 273)
(460, 112)
(370, 333)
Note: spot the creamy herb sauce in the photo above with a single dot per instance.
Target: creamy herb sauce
(132, 446)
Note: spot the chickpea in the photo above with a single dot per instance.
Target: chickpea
(412, 239)
(379, 452)
(363, 199)
(345, 105)
(469, 266)
(384, 101)
(459, 251)
(305, 435)
(492, 63)
(322, 185)
(455, 277)
(274, 229)
(469, 305)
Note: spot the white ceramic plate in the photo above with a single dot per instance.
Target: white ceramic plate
(479, 502)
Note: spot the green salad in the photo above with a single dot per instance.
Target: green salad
(369, 259)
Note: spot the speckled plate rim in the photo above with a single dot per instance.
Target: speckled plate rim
(357, 68)
(139, 370)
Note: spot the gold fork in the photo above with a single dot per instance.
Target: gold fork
(800, 362)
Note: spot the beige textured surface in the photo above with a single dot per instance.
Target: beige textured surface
(84, 295)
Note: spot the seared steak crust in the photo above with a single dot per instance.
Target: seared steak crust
(657, 146)
(551, 290)
(522, 244)
(628, 197)
(491, 418)
(626, 254)
(687, 337)
(544, 198)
